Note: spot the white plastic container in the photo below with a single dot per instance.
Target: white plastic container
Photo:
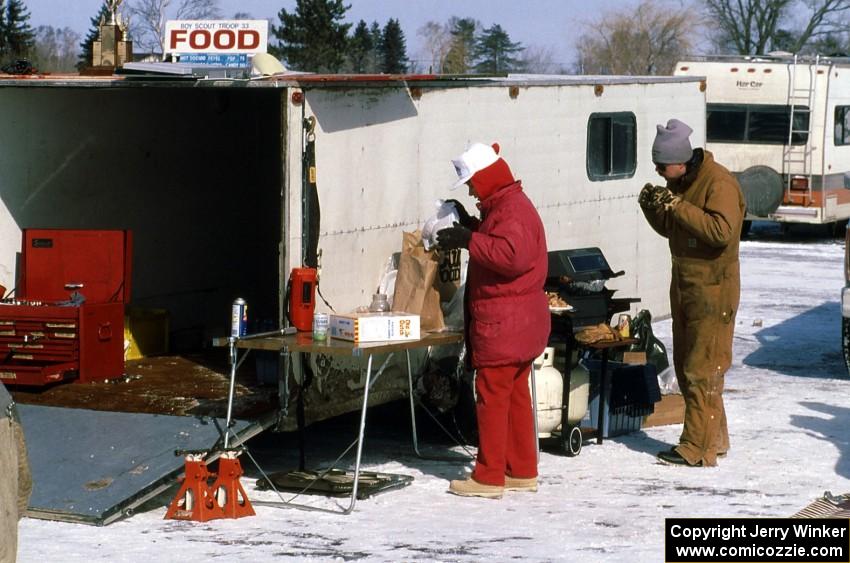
(550, 387)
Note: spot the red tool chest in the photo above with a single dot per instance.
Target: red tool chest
(66, 319)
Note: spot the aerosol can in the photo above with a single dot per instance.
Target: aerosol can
(239, 318)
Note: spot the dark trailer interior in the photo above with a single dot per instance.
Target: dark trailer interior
(194, 170)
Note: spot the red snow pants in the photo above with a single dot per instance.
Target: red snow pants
(506, 440)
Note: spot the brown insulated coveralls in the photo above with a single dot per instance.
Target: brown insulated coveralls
(15, 480)
(703, 232)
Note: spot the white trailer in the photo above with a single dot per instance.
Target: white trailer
(208, 175)
(781, 122)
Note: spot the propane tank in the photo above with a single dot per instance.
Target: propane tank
(302, 292)
(550, 386)
(579, 391)
(550, 389)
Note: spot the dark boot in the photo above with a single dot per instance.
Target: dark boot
(672, 457)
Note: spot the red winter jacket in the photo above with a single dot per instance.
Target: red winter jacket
(507, 309)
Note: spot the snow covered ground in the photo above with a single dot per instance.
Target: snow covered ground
(789, 415)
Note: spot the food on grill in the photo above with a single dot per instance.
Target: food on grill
(555, 300)
(598, 333)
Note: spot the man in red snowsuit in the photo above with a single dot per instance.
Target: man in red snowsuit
(507, 318)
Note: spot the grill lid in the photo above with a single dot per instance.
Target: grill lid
(580, 264)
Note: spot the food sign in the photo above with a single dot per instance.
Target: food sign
(226, 37)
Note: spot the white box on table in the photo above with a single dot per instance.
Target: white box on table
(374, 327)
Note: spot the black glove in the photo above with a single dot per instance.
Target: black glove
(464, 217)
(453, 237)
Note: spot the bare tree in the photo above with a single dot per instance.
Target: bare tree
(754, 27)
(198, 10)
(648, 40)
(539, 60)
(437, 41)
(150, 16)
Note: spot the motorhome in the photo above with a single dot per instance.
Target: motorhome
(781, 123)
(209, 175)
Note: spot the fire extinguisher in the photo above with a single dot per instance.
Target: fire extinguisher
(301, 298)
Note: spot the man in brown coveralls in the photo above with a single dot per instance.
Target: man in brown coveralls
(15, 480)
(700, 212)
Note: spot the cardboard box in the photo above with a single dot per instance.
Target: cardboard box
(374, 327)
(145, 332)
(634, 358)
(669, 410)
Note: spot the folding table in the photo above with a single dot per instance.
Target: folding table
(303, 342)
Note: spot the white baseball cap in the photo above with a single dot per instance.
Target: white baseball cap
(476, 157)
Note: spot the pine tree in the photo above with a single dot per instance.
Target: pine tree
(2, 29)
(20, 37)
(459, 56)
(313, 37)
(360, 49)
(494, 52)
(94, 31)
(392, 49)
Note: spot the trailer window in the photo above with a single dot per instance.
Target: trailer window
(611, 146)
(739, 123)
(842, 125)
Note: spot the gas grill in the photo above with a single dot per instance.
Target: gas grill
(66, 320)
(579, 277)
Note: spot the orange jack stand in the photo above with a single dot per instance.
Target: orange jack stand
(195, 500)
(228, 490)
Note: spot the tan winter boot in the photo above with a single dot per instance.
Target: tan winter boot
(472, 488)
(517, 484)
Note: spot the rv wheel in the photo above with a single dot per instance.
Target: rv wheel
(836, 229)
(571, 442)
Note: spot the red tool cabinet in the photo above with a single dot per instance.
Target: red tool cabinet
(66, 319)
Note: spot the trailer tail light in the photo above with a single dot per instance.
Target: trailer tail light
(799, 184)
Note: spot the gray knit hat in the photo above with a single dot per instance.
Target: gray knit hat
(671, 144)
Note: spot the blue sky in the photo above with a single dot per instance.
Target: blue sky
(555, 24)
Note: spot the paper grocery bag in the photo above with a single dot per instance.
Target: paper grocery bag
(447, 279)
(414, 286)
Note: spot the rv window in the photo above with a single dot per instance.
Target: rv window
(611, 146)
(842, 125)
(738, 123)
